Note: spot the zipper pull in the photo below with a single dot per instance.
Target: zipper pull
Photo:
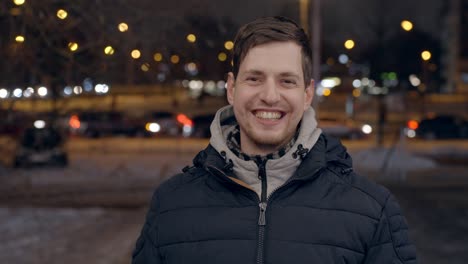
(262, 218)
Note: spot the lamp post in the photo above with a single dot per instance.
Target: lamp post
(425, 57)
(315, 34)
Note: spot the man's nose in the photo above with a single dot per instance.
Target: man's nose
(270, 93)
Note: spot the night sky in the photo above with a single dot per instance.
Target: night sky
(340, 18)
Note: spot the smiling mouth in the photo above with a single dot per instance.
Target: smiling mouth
(268, 115)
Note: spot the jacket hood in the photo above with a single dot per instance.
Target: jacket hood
(279, 169)
(327, 152)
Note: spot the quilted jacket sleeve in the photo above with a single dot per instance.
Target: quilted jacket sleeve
(391, 243)
(146, 250)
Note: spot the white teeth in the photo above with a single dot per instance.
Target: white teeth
(268, 115)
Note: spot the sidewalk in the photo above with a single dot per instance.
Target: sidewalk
(441, 176)
(422, 164)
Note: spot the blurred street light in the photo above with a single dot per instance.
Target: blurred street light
(157, 57)
(175, 59)
(17, 92)
(42, 91)
(349, 44)
(109, 50)
(3, 93)
(136, 54)
(28, 92)
(356, 92)
(101, 88)
(123, 27)
(145, 67)
(18, 2)
(343, 58)
(222, 56)
(19, 39)
(229, 45)
(191, 38)
(406, 25)
(73, 46)
(62, 14)
(426, 55)
(78, 90)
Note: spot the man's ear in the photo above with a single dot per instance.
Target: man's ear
(309, 94)
(230, 88)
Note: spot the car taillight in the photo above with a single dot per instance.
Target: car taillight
(413, 124)
(184, 120)
(74, 122)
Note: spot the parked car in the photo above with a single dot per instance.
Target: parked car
(35, 142)
(96, 124)
(344, 129)
(438, 127)
(41, 146)
(165, 123)
(201, 125)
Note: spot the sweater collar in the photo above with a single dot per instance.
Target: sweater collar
(280, 169)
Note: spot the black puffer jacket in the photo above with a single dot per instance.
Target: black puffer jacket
(324, 214)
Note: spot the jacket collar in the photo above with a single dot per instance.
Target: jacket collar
(327, 151)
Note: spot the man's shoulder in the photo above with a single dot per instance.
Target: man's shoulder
(183, 180)
(361, 186)
(368, 187)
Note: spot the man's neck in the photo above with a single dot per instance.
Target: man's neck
(254, 149)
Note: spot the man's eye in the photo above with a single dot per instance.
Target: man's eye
(289, 82)
(252, 79)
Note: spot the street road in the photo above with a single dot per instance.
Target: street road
(92, 211)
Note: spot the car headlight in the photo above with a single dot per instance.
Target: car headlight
(39, 124)
(411, 133)
(366, 129)
(153, 127)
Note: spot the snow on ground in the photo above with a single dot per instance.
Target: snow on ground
(63, 235)
(89, 212)
(52, 233)
(388, 158)
(92, 179)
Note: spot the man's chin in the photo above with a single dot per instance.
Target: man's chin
(272, 141)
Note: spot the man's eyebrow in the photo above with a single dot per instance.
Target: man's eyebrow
(289, 74)
(254, 72)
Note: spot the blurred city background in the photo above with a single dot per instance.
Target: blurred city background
(101, 101)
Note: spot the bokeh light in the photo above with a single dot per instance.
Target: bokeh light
(109, 50)
(73, 46)
(136, 54)
(228, 45)
(406, 25)
(18, 2)
(123, 27)
(175, 59)
(19, 39)
(349, 44)
(157, 57)
(426, 55)
(191, 38)
(222, 56)
(62, 14)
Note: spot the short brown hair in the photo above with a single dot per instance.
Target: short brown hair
(271, 29)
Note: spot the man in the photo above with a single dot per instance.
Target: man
(270, 187)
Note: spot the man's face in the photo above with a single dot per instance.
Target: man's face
(269, 96)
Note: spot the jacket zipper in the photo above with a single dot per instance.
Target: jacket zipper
(262, 212)
(262, 204)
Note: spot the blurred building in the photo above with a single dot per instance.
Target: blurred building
(462, 74)
(455, 45)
